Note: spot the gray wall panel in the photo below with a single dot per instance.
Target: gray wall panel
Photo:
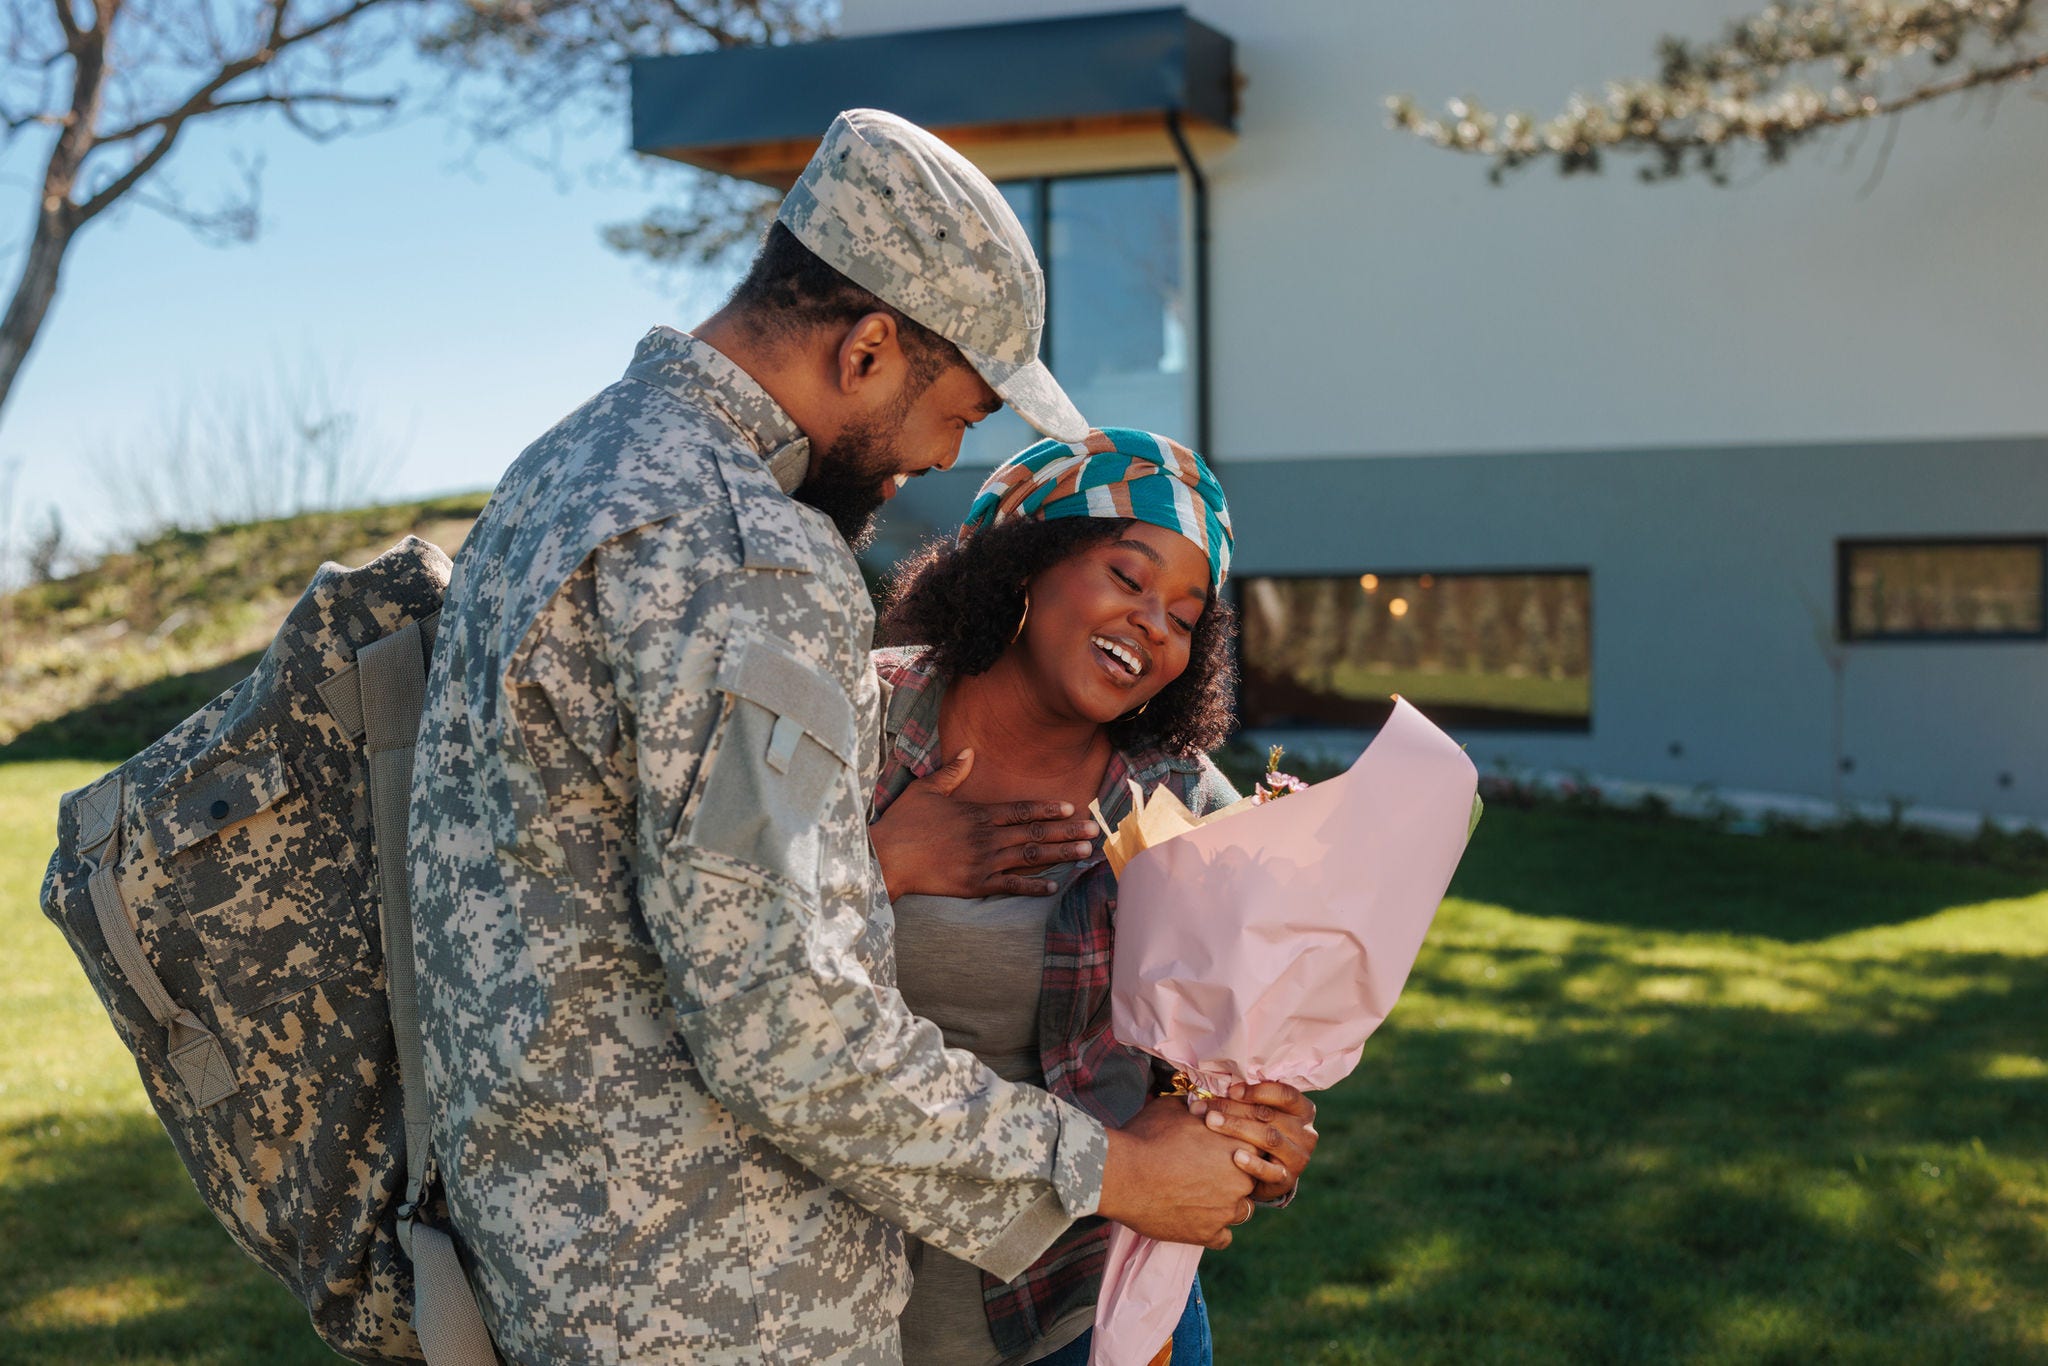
(1713, 600)
(1713, 592)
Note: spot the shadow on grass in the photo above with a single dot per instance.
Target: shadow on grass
(1609, 1177)
(108, 1255)
(1681, 877)
(112, 729)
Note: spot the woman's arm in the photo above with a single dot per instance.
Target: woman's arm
(1277, 1120)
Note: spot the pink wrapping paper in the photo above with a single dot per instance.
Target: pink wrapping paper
(1267, 946)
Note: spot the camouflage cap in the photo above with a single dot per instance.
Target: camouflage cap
(914, 223)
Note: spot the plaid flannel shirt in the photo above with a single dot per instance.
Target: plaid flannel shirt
(1083, 1063)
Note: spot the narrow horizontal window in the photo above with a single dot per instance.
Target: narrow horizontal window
(1943, 590)
(1508, 651)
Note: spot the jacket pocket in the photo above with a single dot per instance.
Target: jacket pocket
(784, 746)
(267, 887)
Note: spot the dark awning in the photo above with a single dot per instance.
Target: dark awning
(758, 111)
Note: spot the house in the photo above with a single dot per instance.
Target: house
(1733, 490)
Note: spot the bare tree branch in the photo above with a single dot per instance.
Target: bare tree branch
(115, 92)
(546, 63)
(129, 83)
(1884, 159)
(236, 218)
(337, 98)
(202, 101)
(277, 10)
(128, 179)
(718, 219)
(69, 22)
(247, 450)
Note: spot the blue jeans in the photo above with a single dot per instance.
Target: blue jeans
(1191, 1345)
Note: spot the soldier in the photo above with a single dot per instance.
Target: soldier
(681, 1111)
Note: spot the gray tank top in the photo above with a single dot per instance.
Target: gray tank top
(972, 968)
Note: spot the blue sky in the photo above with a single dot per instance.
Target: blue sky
(462, 298)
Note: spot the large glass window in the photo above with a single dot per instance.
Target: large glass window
(1118, 326)
(1943, 590)
(1510, 651)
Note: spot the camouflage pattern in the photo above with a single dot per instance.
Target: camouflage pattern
(244, 856)
(917, 225)
(677, 1085)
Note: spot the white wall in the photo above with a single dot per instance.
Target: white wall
(1375, 296)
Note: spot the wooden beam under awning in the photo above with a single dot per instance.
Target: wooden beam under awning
(1002, 151)
(1087, 92)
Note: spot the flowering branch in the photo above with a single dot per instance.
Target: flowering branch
(1757, 87)
(1273, 784)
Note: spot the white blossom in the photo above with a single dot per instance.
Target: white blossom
(1786, 74)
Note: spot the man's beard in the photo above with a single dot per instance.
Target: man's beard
(847, 478)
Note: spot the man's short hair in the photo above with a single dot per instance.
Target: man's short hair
(788, 293)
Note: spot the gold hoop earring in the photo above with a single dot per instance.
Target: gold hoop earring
(1132, 716)
(1026, 616)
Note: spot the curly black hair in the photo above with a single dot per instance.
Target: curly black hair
(964, 601)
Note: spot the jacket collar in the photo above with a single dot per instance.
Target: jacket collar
(698, 373)
(912, 726)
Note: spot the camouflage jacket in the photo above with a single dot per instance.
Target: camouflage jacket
(675, 1085)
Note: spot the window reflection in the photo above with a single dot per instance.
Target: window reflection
(1117, 332)
(1119, 335)
(1002, 434)
(1957, 589)
(1473, 650)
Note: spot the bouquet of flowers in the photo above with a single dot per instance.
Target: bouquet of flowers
(1266, 942)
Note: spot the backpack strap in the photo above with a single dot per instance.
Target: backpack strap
(194, 1050)
(343, 691)
(391, 677)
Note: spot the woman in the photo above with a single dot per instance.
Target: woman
(1070, 641)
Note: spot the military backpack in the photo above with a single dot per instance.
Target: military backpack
(238, 895)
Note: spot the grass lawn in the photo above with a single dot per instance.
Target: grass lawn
(106, 1254)
(1544, 696)
(1661, 1094)
(1655, 1094)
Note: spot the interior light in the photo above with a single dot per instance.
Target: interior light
(1369, 582)
(1398, 607)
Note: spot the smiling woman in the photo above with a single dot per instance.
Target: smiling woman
(1069, 647)
(1122, 542)
(966, 603)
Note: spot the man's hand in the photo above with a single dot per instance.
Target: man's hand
(1277, 1120)
(932, 842)
(1172, 1178)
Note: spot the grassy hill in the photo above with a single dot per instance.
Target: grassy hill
(98, 664)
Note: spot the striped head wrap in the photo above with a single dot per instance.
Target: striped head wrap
(1115, 472)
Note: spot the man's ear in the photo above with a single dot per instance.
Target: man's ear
(869, 351)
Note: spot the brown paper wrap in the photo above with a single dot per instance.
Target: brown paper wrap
(1153, 820)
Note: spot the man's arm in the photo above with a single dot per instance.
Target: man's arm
(750, 819)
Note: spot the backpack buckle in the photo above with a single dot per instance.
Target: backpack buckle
(99, 816)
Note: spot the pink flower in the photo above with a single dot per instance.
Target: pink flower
(1276, 784)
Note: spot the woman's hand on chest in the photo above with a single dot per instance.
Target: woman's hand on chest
(933, 841)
